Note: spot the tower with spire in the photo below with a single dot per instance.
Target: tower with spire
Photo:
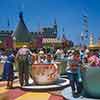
(91, 39)
(55, 27)
(21, 33)
(92, 44)
(64, 40)
(98, 42)
(84, 33)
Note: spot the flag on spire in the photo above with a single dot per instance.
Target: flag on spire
(63, 35)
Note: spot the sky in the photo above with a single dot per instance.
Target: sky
(42, 13)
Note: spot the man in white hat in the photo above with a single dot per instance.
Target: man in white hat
(23, 64)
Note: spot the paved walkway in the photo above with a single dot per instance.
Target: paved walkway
(17, 94)
(68, 94)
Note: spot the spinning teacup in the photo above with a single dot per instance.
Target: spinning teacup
(45, 73)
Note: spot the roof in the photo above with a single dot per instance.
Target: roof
(21, 33)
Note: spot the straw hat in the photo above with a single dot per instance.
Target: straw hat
(41, 52)
(24, 46)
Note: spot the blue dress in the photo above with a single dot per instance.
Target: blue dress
(8, 73)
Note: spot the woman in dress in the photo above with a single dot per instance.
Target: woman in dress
(8, 72)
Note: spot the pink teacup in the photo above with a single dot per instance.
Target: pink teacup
(45, 73)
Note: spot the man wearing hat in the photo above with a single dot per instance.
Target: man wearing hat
(23, 64)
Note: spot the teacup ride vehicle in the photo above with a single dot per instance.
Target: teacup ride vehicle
(91, 82)
(46, 77)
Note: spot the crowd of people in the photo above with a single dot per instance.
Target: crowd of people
(24, 57)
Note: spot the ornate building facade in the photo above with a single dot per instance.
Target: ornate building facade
(22, 36)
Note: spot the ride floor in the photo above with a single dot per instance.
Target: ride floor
(18, 94)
